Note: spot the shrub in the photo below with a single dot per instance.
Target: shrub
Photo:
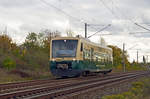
(119, 96)
(9, 64)
(128, 95)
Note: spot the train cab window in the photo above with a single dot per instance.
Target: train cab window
(97, 59)
(81, 49)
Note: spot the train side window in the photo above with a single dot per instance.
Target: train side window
(81, 49)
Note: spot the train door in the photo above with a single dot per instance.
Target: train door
(81, 51)
(92, 53)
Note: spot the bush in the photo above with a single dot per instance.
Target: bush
(119, 96)
(9, 64)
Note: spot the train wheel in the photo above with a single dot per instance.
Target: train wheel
(78, 75)
(64, 77)
(85, 73)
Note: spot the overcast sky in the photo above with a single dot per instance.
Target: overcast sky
(23, 16)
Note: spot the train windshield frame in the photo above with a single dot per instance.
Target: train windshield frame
(64, 48)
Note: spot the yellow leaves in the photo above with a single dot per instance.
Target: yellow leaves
(119, 96)
(117, 56)
(138, 85)
(119, 67)
(128, 95)
(6, 43)
(24, 52)
(8, 63)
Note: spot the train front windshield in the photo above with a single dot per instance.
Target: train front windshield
(64, 48)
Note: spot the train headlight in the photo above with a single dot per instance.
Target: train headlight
(53, 60)
(74, 59)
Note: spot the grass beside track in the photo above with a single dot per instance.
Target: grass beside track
(18, 76)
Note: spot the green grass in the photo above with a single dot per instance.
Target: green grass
(120, 68)
(7, 76)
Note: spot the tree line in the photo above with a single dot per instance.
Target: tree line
(33, 53)
(30, 56)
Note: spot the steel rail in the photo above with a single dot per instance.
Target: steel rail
(79, 88)
(30, 84)
(47, 89)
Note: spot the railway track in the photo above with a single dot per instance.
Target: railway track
(49, 89)
(5, 88)
(36, 83)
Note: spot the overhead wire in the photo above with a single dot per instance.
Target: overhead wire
(63, 12)
(92, 26)
(60, 10)
(142, 26)
(138, 32)
(100, 30)
(131, 20)
(109, 9)
(122, 15)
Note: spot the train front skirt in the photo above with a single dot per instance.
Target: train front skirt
(66, 72)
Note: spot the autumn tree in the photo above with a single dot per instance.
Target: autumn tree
(117, 56)
(70, 33)
(31, 41)
(6, 43)
(48, 35)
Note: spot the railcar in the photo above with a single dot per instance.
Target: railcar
(75, 56)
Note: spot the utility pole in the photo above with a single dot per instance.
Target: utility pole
(147, 58)
(124, 68)
(5, 31)
(85, 30)
(137, 56)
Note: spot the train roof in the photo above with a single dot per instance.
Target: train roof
(84, 40)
